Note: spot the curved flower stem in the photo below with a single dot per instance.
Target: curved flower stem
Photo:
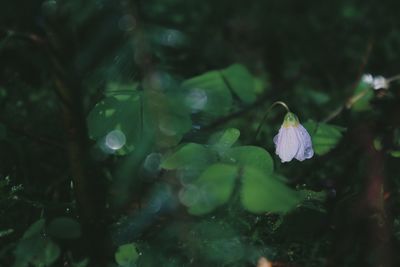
(283, 104)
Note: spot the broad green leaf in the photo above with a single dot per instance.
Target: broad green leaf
(126, 255)
(223, 140)
(395, 153)
(121, 91)
(27, 249)
(216, 98)
(35, 229)
(30, 245)
(165, 117)
(251, 156)
(213, 188)
(265, 193)
(112, 114)
(38, 250)
(48, 254)
(241, 81)
(189, 156)
(120, 122)
(362, 96)
(324, 136)
(65, 228)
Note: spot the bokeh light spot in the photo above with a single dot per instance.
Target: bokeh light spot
(115, 140)
(152, 162)
(196, 100)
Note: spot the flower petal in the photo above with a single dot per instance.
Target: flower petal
(276, 138)
(305, 151)
(287, 143)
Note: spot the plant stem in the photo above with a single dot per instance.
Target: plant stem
(283, 104)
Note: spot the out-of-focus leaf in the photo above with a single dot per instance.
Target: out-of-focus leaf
(241, 81)
(216, 97)
(133, 115)
(30, 244)
(113, 113)
(362, 96)
(324, 136)
(121, 91)
(48, 255)
(251, 156)
(35, 229)
(65, 228)
(223, 140)
(213, 188)
(38, 250)
(166, 117)
(189, 156)
(126, 255)
(309, 95)
(82, 263)
(27, 249)
(395, 153)
(265, 193)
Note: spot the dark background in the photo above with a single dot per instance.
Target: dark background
(60, 59)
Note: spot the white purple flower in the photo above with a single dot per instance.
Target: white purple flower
(293, 140)
(380, 82)
(377, 82)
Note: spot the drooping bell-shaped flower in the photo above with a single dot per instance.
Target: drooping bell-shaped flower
(293, 140)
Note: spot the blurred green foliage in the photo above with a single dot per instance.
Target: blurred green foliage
(127, 133)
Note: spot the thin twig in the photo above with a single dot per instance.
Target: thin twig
(353, 99)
